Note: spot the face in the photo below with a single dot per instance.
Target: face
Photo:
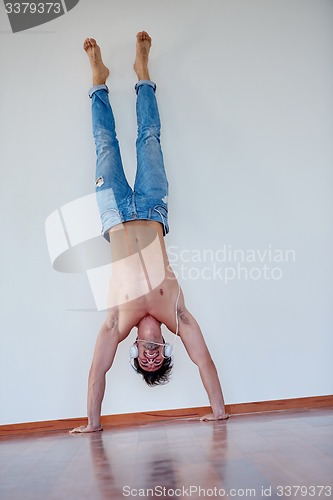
(150, 344)
(150, 356)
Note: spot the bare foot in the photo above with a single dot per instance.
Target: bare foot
(85, 428)
(99, 70)
(143, 44)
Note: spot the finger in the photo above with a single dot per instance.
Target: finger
(77, 430)
(225, 417)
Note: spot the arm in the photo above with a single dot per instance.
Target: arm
(197, 350)
(105, 350)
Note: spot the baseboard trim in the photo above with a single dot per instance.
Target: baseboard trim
(130, 419)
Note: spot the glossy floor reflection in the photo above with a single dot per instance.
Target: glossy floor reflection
(243, 457)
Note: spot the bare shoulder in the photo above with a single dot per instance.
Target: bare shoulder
(112, 319)
(129, 315)
(116, 325)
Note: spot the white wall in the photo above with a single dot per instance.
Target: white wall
(245, 95)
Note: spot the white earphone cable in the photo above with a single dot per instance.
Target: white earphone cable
(176, 312)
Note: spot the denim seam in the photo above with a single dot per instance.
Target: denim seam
(95, 88)
(145, 82)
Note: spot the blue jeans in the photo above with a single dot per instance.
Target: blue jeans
(117, 201)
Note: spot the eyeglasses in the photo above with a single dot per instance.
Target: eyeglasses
(150, 345)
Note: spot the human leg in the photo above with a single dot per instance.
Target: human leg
(109, 168)
(112, 188)
(151, 184)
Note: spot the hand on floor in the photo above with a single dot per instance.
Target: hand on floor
(84, 429)
(211, 416)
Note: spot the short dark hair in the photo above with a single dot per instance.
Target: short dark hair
(158, 377)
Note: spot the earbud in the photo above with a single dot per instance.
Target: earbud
(133, 351)
(168, 350)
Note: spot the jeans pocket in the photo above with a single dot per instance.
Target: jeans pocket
(106, 201)
(162, 210)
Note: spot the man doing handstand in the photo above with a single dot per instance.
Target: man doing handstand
(144, 291)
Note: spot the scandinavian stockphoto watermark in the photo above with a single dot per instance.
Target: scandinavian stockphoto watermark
(195, 491)
(229, 264)
(74, 241)
(26, 15)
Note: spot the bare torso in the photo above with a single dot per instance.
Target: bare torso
(142, 281)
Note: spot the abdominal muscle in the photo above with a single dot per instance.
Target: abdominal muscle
(142, 281)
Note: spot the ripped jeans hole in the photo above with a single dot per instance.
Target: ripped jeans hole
(99, 182)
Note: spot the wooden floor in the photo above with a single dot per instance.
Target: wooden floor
(239, 458)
